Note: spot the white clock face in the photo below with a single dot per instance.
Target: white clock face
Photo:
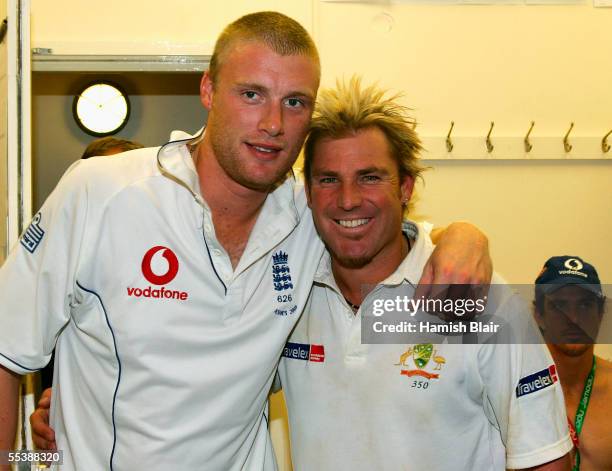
(101, 109)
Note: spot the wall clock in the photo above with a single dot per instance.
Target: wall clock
(101, 108)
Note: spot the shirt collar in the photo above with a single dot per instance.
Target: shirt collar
(175, 161)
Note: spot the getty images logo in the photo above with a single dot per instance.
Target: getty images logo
(150, 260)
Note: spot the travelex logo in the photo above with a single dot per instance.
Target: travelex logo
(304, 351)
(152, 260)
(33, 235)
(537, 381)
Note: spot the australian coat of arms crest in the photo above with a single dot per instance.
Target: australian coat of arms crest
(421, 355)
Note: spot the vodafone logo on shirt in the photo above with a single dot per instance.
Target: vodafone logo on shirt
(173, 266)
(159, 266)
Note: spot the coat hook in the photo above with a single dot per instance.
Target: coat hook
(414, 125)
(566, 144)
(490, 146)
(449, 143)
(528, 145)
(605, 147)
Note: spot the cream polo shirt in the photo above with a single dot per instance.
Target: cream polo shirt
(355, 406)
(165, 354)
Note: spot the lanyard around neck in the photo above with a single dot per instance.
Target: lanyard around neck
(576, 427)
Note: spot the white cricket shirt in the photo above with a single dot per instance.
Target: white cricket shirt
(165, 355)
(355, 406)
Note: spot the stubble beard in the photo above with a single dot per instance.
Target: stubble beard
(573, 350)
(348, 261)
(228, 157)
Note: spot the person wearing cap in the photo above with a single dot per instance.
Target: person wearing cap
(569, 307)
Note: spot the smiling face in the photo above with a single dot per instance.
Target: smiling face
(570, 319)
(356, 194)
(259, 111)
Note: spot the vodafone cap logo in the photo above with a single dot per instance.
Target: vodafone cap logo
(573, 264)
(173, 266)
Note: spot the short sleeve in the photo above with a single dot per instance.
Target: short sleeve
(523, 397)
(37, 280)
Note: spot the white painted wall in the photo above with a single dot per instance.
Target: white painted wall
(473, 64)
(144, 27)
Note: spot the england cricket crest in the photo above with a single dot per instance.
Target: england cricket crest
(281, 275)
(283, 285)
(421, 355)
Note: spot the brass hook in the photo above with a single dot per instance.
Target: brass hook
(490, 146)
(449, 143)
(414, 125)
(566, 144)
(528, 145)
(605, 147)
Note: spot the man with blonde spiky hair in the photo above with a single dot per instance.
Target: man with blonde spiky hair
(361, 402)
(349, 108)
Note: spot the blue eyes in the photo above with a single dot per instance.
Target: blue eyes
(294, 102)
(370, 178)
(255, 97)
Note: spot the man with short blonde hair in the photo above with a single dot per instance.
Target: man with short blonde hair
(277, 31)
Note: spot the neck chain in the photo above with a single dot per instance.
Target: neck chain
(355, 307)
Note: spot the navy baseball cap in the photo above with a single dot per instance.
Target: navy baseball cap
(568, 270)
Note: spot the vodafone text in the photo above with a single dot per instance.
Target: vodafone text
(150, 292)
